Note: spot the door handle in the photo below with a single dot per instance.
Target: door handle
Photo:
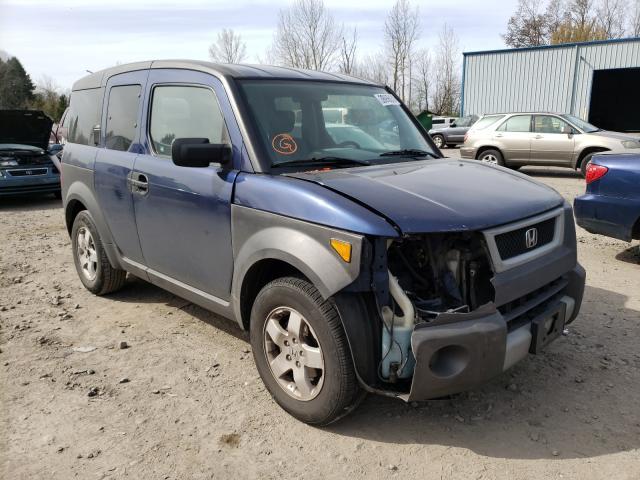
(138, 183)
(538, 137)
(499, 135)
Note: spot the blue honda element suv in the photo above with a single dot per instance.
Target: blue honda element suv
(314, 210)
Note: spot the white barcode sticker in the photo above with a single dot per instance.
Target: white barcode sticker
(386, 99)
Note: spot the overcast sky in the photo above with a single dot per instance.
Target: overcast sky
(63, 38)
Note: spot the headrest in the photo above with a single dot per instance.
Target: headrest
(282, 121)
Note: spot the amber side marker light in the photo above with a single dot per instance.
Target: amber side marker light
(594, 172)
(342, 248)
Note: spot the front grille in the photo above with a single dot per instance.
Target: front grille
(27, 172)
(524, 309)
(514, 243)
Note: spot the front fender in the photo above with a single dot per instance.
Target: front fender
(259, 235)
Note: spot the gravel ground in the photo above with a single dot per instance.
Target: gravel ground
(183, 399)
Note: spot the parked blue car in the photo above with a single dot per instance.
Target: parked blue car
(357, 266)
(26, 165)
(611, 204)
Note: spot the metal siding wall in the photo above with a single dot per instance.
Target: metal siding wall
(541, 79)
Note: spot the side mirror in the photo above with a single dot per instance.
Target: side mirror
(567, 130)
(54, 149)
(198, 152)
(453, 125)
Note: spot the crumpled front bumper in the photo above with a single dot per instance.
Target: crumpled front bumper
(458, 352)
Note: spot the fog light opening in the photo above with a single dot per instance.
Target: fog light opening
(449, 361)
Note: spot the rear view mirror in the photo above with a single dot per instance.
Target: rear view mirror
(198, 152)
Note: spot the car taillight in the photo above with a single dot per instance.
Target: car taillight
(594, 172)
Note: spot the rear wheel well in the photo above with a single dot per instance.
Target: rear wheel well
(258, 276)
(586, 152)
(481, 150)
(74, 207)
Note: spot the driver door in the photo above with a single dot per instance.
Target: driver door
(183, 214)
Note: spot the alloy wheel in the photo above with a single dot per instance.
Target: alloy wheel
(86, 253)
(293, 354)
(489, 158)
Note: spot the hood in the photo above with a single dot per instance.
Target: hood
(441, 195)
(615, 135)
(25, 127)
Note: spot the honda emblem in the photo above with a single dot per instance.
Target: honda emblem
(531, 237)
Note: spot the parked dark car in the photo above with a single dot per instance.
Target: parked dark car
(26, 166)
(611, 204)
(453, 134)
(356, 268)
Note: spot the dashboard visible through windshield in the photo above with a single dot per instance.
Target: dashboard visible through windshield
(338, 124)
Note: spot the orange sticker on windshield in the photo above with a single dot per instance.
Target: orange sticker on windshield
(284, 144)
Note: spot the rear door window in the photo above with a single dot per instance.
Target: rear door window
(185, 112)
(518, 123)
(486, 122)
(122, 117)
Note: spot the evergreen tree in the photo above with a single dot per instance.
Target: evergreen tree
(16, 87)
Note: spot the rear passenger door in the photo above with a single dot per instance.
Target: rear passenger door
(120, 142)
(183, 214)
(514, 139)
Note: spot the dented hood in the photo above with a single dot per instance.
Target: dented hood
(441, 195)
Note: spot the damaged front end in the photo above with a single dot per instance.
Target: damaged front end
(463, 307)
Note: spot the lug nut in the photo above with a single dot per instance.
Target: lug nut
(297, 364)
(295, 340)
(288, 357)
(286, 343)
(302, 353)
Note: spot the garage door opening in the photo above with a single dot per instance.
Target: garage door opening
(615, 100)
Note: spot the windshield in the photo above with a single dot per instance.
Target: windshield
(316, 122)
(581, 124)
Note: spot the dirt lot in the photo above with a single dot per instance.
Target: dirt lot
(184, 399)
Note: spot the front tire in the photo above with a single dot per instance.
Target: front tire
(90, 259)
(585, 163)
(439, 141)
(301, 352)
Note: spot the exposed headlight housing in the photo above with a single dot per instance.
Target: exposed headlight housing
(631, 144)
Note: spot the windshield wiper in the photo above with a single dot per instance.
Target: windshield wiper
(322, 161)
(408, 152)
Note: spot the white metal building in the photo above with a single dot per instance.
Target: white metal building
(597, 81)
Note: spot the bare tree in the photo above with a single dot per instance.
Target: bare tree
(528, 26)
(348, 47)
(228, 48)
(423, 80)
(373, 68)
(611, 16)
(634, 27)
(402, 30)
(307, 36)
(446, 96)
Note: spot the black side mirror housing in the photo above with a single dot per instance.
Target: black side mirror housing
(199, 153)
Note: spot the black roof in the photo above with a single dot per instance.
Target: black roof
(234, 71)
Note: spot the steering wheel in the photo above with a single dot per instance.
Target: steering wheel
(347, 144)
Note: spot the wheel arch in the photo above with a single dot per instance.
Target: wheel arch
(484, 148)
(586, 151)
(79, 198)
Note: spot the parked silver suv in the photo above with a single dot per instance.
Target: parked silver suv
(518, 139)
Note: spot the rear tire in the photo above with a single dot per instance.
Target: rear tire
(314, 395)
(493, 157)
(90, 259)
